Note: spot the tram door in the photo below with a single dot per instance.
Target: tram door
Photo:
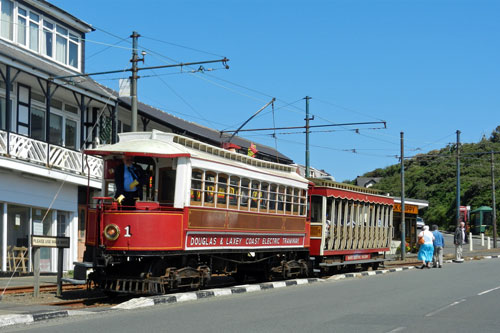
(166, 184)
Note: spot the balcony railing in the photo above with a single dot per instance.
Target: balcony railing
(51, 156)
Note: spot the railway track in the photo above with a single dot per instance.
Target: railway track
(99, 300)
(43, 289)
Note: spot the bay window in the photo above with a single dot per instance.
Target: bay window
(21, 26)
(6, 17)
(61, 44)
(47, 38)
(34, 31)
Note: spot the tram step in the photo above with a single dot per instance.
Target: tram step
(73, 281)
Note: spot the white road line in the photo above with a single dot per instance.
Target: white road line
(444, 308)
(397, 329)
(487, 291)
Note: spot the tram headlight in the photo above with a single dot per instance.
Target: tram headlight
(112, 232)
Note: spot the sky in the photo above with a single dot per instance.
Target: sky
(426, 68)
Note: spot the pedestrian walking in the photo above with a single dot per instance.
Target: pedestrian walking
(437, 259)
(461, 238)
(426, 249)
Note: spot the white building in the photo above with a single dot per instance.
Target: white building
(46, 121)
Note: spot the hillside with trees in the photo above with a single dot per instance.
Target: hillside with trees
(432, 177)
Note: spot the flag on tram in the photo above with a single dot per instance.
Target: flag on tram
(252, 150)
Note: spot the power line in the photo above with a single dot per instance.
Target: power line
(181, 46)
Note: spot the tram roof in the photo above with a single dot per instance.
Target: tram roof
(351, 192)
(170, 145)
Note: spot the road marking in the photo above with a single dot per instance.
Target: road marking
(487, 291)
(444, 308)
(397, 329)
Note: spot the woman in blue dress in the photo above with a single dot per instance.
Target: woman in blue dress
(426, 249)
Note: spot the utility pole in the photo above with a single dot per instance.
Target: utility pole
(133, 81)
(403, 222)
(307, 98)
(494, 201)
(458, 178)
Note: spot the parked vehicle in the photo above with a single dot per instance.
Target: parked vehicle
(420, 222)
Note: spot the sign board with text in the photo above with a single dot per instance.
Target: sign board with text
(49, 241)
(409, 209)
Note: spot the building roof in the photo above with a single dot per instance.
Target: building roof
(416, 202)
(61, 15)
(363, 181)
(36, 65)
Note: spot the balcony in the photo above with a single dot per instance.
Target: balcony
(51, 156)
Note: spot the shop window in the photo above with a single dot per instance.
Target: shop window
(17, 225)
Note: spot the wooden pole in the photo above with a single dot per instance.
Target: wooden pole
(36, 272)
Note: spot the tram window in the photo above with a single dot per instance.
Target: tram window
(303, 202)
(288, 200)
(234, 184)
(281, 199)
(245, 183)
(272, 198)
(256, 195)
(265, 195)
(316, 204)
(196, 188)
(222, 190)
(166, 184)
(295, 201)
(209, 188)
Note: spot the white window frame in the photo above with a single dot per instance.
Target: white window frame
(72, 37)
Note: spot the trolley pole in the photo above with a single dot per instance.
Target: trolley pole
(403, 222)
(494, 201)
(133, 81)
(307, 98)
(458, 178)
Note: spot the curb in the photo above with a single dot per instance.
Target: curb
(141, 302)
(209, 293)
(370, 273)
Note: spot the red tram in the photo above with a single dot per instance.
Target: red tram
(210, 211)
